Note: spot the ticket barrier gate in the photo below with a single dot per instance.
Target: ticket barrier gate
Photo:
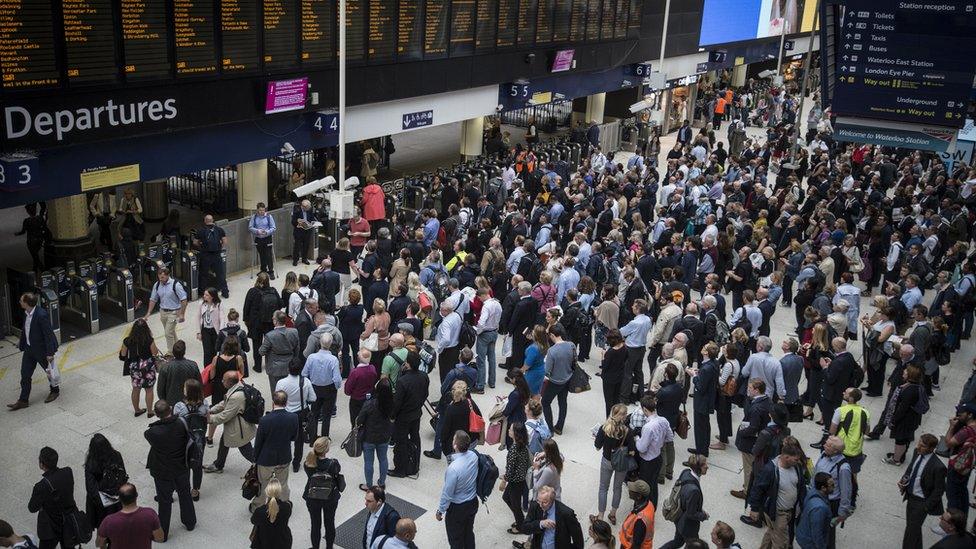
(187, 269)
(116, 296)
(146, 272)
(79, 310)
(20, 282)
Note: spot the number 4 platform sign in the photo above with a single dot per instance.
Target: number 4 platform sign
(326, 122)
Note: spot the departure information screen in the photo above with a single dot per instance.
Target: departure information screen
(79, 43)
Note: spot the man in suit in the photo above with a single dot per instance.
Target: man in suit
(279, 347)
(412, 388)
(837, 378)
(767, 308)
(756, 418)
(696, 328)
(705, 380)
(523, 319)
(302, 217)
(382, 519)
(38, 343)
(551, 523)
(237, 433)
(276, 435)
(304, 323)
(167, 465)
(327, 283)
(922, 487)
(50, 496)
(691, 498)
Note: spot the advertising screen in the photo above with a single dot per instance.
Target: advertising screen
(726, 21)
(286, 95)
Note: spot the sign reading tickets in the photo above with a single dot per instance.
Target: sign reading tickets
(413, 120)
(99, 178)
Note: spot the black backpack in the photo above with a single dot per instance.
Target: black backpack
(253, 403)
(529, 268)
(322, 484)
(819, 279)
(744, 322)
(487, 476)
(113, 476)
(270, 302)
(196, 429)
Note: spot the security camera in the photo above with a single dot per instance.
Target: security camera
(641, 105)
(287, 148)
(352, 183)
(499, 108)
(315, 186)
(767, 74)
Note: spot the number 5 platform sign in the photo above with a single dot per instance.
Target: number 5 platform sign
(19, 172)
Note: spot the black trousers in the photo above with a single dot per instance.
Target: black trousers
(28, 363)
(648, 471)
(222, 450)
(633, 373)
(914, 517)
(703, 432)
(208, 336)
(265, 255)
(325, 399)
(513, 495)
(300, 249)
(447, 359)
(406, 431)
(459, 521)
(164, 498)
(876, 379)
(689, 532)
(550, 392)
(611, 394)
(723, 413)
(354, 407)
(322, 512)
(213, 272)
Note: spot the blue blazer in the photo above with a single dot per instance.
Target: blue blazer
(276, 436)
(42, 340)
(385, 525)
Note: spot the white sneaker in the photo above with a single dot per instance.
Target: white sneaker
(937, 530)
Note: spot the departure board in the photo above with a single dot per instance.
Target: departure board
(593, 12)
(145, 39)
(620, 29)
(577, 21)
(239, 35)
(543, 22)
(317, 17)
(526, 22)
(435, 29)
(382, 32)
(508, 17)
(410, 31)
(27, 54)
(280, 34)
(89, 41)
(634, 23)
(606, 20)
(462, 27)
(561, 13)
(193, 30)
(355, 30)
(487, 29)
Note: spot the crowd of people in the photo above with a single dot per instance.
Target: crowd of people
(676, 268)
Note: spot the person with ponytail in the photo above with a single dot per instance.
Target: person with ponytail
(270, 520)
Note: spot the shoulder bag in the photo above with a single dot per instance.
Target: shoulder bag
(620, 458)
(683, 425)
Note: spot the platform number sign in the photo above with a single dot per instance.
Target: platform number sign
(642, 70)
(18, 172)
(519, 91)
(326, 123)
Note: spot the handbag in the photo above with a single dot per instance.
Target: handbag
(371, 343)
(476, 423)
(126, 371)
(307, 428)
(683, 425)
(251, 485)
(494, 433)
(353, 444)
(205, 379)
(425, 303)
(77, 527)
(620, 459)
(579, 382)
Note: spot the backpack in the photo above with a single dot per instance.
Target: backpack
(269, 304)
(196, 441)
(467, 335)
(857, 378)
(921, 406)
(113, 477)
(441, 287)
(743, 323)
(819, 279)
(722, 332)
(529, 268)
(671, 509)
(540, 433)
(487, 476)
(963, 462)
(322, 484)
(253, 403)
(441, 238)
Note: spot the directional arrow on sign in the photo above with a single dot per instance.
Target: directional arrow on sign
(847, 46)
(845, 58)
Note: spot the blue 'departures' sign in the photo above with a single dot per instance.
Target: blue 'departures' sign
(412, 120)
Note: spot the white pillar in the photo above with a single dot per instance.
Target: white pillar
(594, 108)
(739, 75)
(252, 184)
(472, 137)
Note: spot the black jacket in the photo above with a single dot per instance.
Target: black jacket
(508, 307)
(327, 284)
(51, 497)
(762, 495)
(167, 448)
(304, 325)
(933, 479)
(377, 428)
(412, 387)
(669, 399)
(756, 417)
(275, 437)
(837, 377)
(767, 308)
(42, 342)
(706, 388)
(569, 534)
(697, 340)
(692, 514)
(524, 315)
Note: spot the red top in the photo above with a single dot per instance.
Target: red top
(361, 226)
(361, 381)
(373, 207)
(130, 530)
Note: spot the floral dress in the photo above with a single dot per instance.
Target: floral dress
(142, 366)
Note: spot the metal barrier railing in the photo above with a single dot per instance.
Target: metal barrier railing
(548, 117)
(208, 190)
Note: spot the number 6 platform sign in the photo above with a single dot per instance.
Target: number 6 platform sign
(18, 172)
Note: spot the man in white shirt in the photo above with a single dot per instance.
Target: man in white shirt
(655, 433)
(382, 519)
(447, 339)
(487, 329)
(711, 229)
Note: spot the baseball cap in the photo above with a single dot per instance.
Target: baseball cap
(405, 327)
(639, 487)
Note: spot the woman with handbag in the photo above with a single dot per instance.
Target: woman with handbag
(513, 487)
(514, 411)
(362, 379)
(547, 469)
(193, 409)
(728, 377)
(616, 441)
(375, 419)
(376, 333)
(322, 507)
(138, 354)
(209, 322)
(458, 416)
(270, 520)
(104, 474)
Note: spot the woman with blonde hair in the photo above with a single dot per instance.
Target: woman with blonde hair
(378, 323)
(270, 520)
(544, 293)
(613, 436)
(322, 506)
(818, 347)
(290, 286)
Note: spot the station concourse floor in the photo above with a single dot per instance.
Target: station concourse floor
(95, 398)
